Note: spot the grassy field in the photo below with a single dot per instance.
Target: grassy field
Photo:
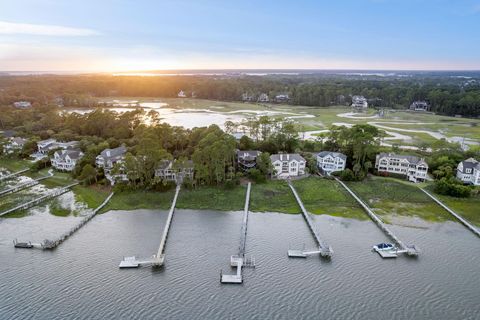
(389, 197)
(212, 198)
(134, 200)
(469, 208)
(13, 164)
(59, 179)
(91, 196)
(322, 196)
(273, 196)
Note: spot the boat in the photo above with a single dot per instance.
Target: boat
(25, 245)
(384, 247)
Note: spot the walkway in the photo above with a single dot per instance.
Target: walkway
(410, 250)
(25, 185)
(323, 248)
(11, 175)
(467, 224)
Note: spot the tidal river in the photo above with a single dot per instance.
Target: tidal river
(81, 279)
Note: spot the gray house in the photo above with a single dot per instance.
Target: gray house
(329, 161)
(247, 159)
(107, 159)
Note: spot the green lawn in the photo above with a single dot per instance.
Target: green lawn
(59, 179)
(14, 164)
(91, 196)
(134, 200)
(213, 198)
(469, 208)
(273, 196)
(389, 197)
(323, 196)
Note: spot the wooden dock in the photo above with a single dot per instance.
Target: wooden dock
(39, 200)
(241, 260)
(323, 248)
(23, 186)
(11, 175)
(467, 224)
(403, 248)
(157, 260)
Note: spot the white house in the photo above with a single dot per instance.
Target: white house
(14, 144)
(66, 160)
(175, 170)
(359, 102)
(263, 97)
(107, 160)
(419, 106)
(22, 104)
(328, 161)
(182, 94)
(288, 165)
(469, 171)
(413, 168)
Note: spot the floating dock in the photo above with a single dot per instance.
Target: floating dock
(241, 260)
(52, 244)
(323, 248)
(467, 224)
(11, 175)
(402, 248)
(159, 259)
(43, 198)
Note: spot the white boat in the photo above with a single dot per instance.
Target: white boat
(384, 247)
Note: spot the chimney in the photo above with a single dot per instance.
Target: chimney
(108, 153)
(288, 156)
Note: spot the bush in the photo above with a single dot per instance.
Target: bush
(452, 187)
(256, 175)
(347, 175)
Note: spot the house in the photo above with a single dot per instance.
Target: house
(175, 170)
(14, 144)
(247, 97)
(182, 94)
(413, 168)
(288, 165)
(45, 146)
(22, 105)
(468, 171)
(359, 102)
(328, 161)
(282, 98)
(419, 106)
(66, 160)
(263, 97)
(107, 160)
(247, 159)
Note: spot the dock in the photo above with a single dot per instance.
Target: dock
(323, 248)
(11, 175)
(23, 186)
(39, 200)
(410, 250)
(467, 224)
(240, 260)
(157, 260)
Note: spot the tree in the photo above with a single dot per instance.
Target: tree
(89, 174)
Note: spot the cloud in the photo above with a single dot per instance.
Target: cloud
(44, 30)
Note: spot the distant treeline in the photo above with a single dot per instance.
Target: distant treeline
(446, 95)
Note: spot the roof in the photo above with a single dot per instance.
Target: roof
(333, 154)
(115, 153)
(246, 154)
(470, 163)
(18, 140)
(73, 154)
(286, 157)
(411, 159)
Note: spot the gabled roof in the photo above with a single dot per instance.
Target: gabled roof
(410, 159)
(470, 163)
(113, 154)
(333, 154)
(248, 154)
(286, 157)
(73, 154)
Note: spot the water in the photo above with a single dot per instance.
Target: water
(81, 280)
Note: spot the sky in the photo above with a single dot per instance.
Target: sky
(127, 35)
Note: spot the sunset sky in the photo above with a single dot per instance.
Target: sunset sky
(124, 35)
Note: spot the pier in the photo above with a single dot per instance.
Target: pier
(402, 248)
(11, 175)
(24, 185)
(240, 261)
(467, 224)
(159, 259)
(43, 198)
(323, 248)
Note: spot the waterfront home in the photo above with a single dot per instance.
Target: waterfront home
(359, 102)
(14, 144)
(328, 161)
(282, 98)
(412, 167)
(175, 170)
(22, 105)
(419, 106)
(247, 160)
(45, 146)
(107, 159)
(66, 160)
(182, 94)
(263, 97)
(468, 171)
(288, 165)
(248, 97)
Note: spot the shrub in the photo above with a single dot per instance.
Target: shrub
(452, 187)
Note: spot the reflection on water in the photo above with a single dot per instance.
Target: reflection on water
(81, 279)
